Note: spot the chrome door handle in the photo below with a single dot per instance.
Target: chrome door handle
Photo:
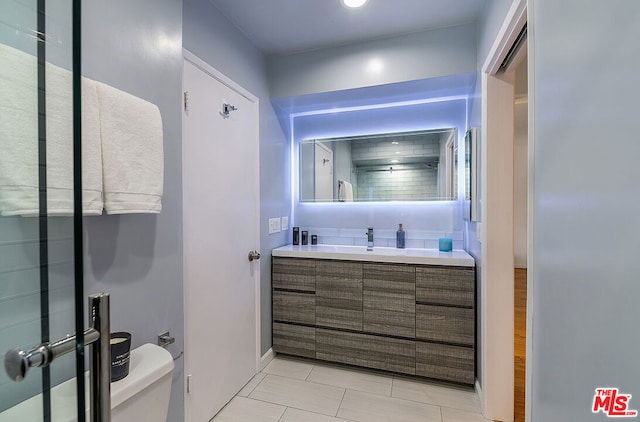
(17, 362)
(253, 255)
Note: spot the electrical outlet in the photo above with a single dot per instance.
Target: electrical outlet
(285, 223)
(274, 225)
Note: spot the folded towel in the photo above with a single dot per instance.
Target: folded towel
(345, 191)
(19, 139)
(92, 202)
(132, 154)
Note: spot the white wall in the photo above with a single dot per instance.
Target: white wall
(492, 19)
(136, 47)
(430, 54)
(583, 270)
(210, 36)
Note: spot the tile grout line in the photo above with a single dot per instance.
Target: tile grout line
(281, 416)
(256, 386)
(439, 406)
(345, 388)
(394, 379)
(293, 407)
(275, 404)
(479, 412)
(341, 400)
(432, 404)
(309, 374)
(436, 404)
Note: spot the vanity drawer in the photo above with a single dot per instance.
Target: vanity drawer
(384, 353)
(389, 299)
(445, 285)
(450, 363)
(293, 274)
(294, 307)
(445, 324)
(294, 340)
(339, 295)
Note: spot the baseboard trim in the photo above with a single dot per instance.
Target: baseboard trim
(266, 359)
(479, 392)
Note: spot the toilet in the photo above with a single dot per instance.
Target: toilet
(143, 395)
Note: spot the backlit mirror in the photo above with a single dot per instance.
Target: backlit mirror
(401, 166)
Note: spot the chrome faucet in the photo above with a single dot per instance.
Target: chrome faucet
(370, 239)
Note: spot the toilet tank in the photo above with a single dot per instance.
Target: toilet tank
(144, 394)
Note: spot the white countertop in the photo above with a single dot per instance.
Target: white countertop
(456, 258)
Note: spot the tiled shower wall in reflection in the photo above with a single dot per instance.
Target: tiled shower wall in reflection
(402, 183)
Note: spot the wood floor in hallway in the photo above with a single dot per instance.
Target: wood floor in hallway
(520, 342)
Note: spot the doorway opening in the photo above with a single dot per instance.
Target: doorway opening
(501, 220)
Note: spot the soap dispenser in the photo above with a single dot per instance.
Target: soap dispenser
(400, 237)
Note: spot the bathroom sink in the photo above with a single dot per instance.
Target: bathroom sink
(379, 254)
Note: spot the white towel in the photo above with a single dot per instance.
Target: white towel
(345, 191)
(132, 154)
(19, 139)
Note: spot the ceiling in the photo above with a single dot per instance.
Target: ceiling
(290, 26)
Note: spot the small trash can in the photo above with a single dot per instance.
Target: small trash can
(120, 347)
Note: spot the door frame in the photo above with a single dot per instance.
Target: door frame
(328, 150)
(496, 234)
(223, 79)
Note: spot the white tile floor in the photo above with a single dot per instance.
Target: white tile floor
(296, 390)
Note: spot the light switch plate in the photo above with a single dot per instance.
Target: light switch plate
(274, 225)
(285, 223)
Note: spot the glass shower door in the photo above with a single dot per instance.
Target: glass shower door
(39, 300)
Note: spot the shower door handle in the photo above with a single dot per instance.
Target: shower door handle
(17, 362)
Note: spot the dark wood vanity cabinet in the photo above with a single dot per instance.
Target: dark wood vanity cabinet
(389, 299)
(295, 340)
(293, 274)
(445, 323)
(339, 295)
(294, 306)
(405, 318)
(386, 353)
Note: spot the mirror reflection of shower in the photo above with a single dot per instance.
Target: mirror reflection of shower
(402, 166)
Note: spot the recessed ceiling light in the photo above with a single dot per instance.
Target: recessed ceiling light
(354, 3)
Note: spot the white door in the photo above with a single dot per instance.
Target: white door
(323, 173)
(221, 226)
